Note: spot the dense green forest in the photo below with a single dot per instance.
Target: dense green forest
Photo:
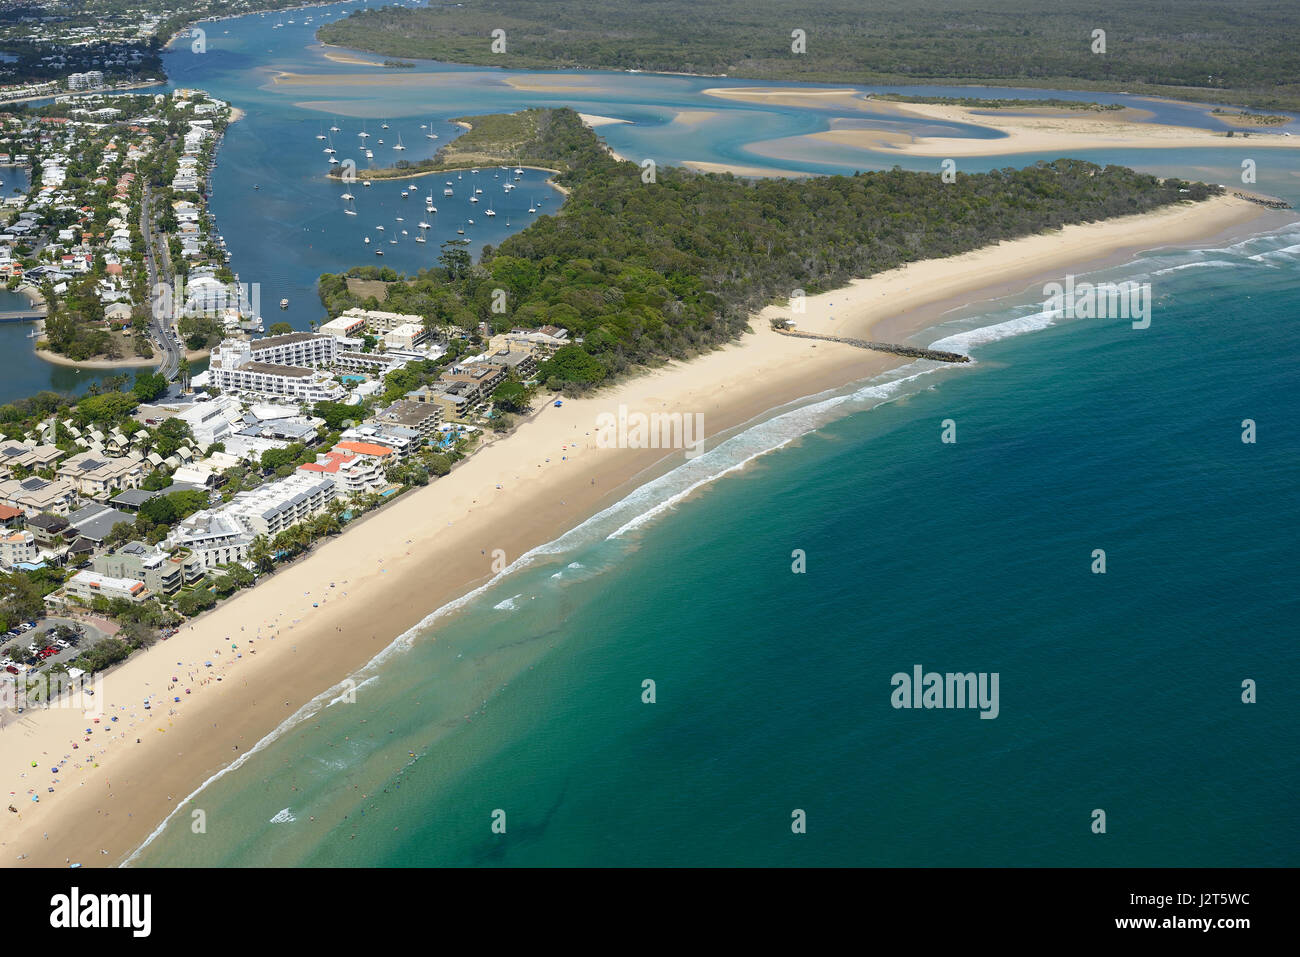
(1243, 52)
(644, 271)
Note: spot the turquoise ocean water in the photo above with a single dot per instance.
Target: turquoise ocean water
(1119, 691)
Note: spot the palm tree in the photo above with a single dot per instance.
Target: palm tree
(259, 551)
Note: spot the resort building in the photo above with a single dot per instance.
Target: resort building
(35, 495)
(522, 362)
(222, 535)
(52, 532)
(32, 457)
(543, 341)
(349, 325)
(88, 585)
(213, 537)
(374, 322)
(423, 417)
(479, 379)
(234, 369)
(212, 421)
(405, 336)
(376, 363)
(95, 476)
(294, 349)
(18, 547)
(355, 468)
(400, 439)
(161, 572)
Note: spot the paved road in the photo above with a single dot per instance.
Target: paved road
(156, 254)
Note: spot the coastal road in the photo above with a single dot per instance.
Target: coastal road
(159, 327)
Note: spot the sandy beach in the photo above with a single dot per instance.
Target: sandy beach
(1058, 131)
(312, 623)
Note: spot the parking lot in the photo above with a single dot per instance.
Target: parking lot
(74, 637)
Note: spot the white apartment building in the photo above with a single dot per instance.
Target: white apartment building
(88, 585)
(236, 368)
(353, 472)
(295, 349)
(222, 535)
(18, 547)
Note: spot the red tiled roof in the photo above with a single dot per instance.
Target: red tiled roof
(365, 448)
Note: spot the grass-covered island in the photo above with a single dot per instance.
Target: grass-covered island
(643, 272)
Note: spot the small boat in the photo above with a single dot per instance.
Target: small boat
(384, 125)
(284, 303)
(366, 240)
(447, 191)
(369, 155)
(490, 211)
(431, 209)
(405, 194)
(365, 182)
(473, 199)
(460, 230)
(398, 145)
(381, 142)
(380, 228)
(379, 252)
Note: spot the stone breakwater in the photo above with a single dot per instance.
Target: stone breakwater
(911, 352)
(1267, 202)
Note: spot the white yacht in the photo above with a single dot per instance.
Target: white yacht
(490, 211)
(398, 145)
